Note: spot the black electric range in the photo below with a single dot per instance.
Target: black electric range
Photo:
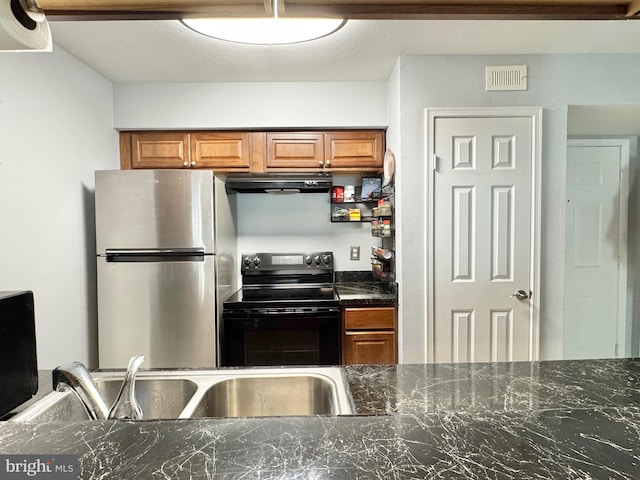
(286, 313)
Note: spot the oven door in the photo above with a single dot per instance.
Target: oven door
(281, 337)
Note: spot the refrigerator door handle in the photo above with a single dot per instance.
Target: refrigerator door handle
(155, 254)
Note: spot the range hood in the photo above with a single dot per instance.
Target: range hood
(278, 182)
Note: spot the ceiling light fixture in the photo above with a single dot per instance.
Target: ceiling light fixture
(265, 31)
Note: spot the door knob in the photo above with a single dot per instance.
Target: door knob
(520, 295)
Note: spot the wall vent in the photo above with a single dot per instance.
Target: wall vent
(512, 77)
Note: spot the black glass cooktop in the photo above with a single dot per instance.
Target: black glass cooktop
(272, 297)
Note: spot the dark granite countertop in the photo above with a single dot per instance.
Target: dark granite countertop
(363, 293)
(362, 288)
(542, 420)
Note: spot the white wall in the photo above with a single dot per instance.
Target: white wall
(554, 81)
(300, 223)
(56, 129)
(249, 105)
(394, 143)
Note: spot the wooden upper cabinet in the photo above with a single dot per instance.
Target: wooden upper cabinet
(160, 150)
(354, 149)
(220, 150)
(347, 150)
(295, 150)
(255, 151)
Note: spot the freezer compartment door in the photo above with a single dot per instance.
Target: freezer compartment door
(162, 309)
(154, 209)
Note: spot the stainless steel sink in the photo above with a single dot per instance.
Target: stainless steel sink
(158, 397)
(211, 393)
(267, 396)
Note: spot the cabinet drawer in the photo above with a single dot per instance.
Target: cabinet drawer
(370, 318)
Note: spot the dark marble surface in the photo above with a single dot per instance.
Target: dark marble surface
(362, 288)
(544, 420)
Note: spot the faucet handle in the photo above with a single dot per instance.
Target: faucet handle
(126, 406)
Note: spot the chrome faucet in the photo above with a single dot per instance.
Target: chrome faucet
(76, 377)
(126, 405)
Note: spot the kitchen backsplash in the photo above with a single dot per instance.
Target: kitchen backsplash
(300, 222)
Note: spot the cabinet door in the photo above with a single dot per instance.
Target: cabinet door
(295, 150)
(160, 150)
(372, 347)
(355, 150)
(220, 150)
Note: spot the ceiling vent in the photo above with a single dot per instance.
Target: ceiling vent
(512, 77)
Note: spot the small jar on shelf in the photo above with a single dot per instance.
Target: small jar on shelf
(381, 269)
(381, 228)
(383, 209)
(375, 229)
(386, 228)
(381, 253)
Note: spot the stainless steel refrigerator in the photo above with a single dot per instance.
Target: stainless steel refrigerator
(166, 245)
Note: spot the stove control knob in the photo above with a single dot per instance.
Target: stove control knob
(326, 259)
(247, 261)
(308, 260)
(256, 261)
(316, 259)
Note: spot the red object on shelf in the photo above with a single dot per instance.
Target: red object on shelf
(337, 194)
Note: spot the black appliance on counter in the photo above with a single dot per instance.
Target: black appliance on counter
(286, 313)
(18, 362)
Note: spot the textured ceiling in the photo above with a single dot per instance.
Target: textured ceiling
(166, 51)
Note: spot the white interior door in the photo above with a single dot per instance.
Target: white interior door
(596, 248)
(482, 236)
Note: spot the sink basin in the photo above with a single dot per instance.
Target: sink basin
(158, 397)
(267, 396)
(183, 394)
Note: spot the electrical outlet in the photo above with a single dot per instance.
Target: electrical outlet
(355, 253)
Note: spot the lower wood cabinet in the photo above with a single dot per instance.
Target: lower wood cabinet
(369, 335)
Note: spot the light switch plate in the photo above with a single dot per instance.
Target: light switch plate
(355, 253)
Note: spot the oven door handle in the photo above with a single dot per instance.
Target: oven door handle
(303, 311)
(278, 312)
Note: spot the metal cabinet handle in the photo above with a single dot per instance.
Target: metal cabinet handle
(321, 163)
(520, 295)
(186, 164)
(193, 164)
(328, 162)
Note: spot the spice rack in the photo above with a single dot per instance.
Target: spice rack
(357, 210)
(383, 227)
(378, 209)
